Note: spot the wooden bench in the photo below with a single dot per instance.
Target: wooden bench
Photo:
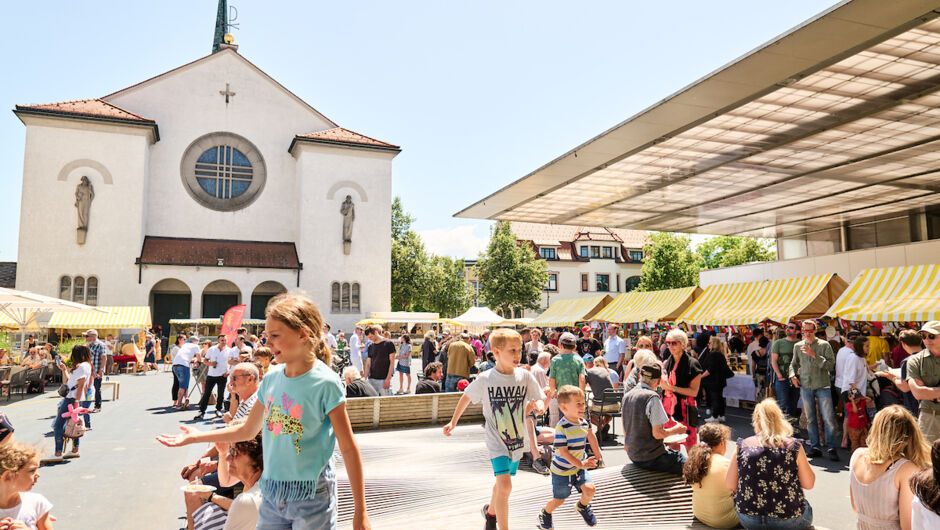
(115, 389)
(408, 410)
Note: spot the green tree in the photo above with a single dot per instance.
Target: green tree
(668, 263)
(728, 251)
(511, 277)
(448, 293)
(409, 262)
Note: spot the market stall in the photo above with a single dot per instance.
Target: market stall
(210, 327)
(569, 311)
(649, 306)
(477, 319)
(891, 294)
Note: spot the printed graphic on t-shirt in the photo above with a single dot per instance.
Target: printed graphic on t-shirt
(277, 422)
(507, 404)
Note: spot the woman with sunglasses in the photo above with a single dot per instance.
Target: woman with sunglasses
(923, 375)
(238, 462)
(682, 376)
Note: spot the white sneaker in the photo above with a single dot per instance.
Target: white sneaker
(721, 419)
(710, 419)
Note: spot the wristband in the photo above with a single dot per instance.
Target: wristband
(211, 494)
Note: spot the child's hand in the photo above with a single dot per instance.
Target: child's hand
(538, 406)
(589, 463)
(449, 428)
(361, 522)
(180, 439)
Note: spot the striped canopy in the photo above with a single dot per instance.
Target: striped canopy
(891, 294)
(113, 317)
(212, 322)
(8, 323)
(740, 304)
(570, 311)
(649, 306)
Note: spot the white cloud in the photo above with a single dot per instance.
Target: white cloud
(457, 242)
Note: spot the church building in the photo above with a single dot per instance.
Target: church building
(204, 187)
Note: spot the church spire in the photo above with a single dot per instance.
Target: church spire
(221, 26)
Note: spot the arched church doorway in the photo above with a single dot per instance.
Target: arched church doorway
(262, 294)
(218, 297)
(169, 298)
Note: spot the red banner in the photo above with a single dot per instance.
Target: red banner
(232, 321)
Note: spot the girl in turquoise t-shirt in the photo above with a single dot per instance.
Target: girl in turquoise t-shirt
(301, 414)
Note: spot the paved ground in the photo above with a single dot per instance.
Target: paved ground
(415, 478)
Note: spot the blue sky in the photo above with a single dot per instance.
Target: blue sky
(478, 94)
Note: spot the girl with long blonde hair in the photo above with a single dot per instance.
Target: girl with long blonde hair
(880, 474)
(301, 414)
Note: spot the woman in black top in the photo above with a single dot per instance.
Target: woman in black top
(682, 375)
(714, 378)
(428, 349)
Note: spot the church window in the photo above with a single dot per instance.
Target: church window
(78, 290)
(65, 287)
(334, 306)
(355, 298)
(344, 299)
(91, 291)
(223, 171)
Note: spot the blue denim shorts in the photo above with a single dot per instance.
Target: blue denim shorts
(503, 465)
(562, 484)
(318, 512)
(182, 375)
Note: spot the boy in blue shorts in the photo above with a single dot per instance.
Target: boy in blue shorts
(508, 393)
(569, 465)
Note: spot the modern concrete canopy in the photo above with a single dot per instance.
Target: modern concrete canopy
(836, 120)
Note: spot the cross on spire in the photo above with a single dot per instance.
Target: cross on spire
(226, 93)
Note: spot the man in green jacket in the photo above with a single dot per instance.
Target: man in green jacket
(812, 362)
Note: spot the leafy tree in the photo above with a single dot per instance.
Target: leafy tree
(511, 278)
(669, 263)
(409, 261)
(401, 221)
(728, 251)
(448, 293)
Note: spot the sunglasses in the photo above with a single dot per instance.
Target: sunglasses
(671, 343)
(929, 336)
(232, 452)
(793, 327)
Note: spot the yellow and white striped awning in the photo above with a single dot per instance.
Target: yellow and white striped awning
(649, 306)
(891, 294)
(569, 311)
(212, 322)
(8, 323)
(114, 317)
(739, 304)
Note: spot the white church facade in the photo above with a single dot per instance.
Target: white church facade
(207, 186)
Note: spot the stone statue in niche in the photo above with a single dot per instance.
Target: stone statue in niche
(349, 215)
(84, 194)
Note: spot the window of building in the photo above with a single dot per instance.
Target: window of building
(223, 171)
(635, 255)
(552, 283)
(618, 282)
(584, 251)
(603, 282)
(584, 281)
(631, 283)
(78, 290)
(334, 305)
(65, 287)
(933, 224)
(344, 298)
(91, 291)
(880, 233)
(548, 253)
(607, 252)
(595, 251)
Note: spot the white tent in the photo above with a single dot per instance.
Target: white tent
(477, 319)
(22, 306)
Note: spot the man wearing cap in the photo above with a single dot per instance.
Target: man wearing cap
(644, 420)
(97, 352)
(923, 375)
(615, 348)
(587, 344)
(566, 368)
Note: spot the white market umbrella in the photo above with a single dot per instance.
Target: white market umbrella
(478, 318)
(22, 306)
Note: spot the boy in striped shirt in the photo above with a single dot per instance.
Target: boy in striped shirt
(569, 465)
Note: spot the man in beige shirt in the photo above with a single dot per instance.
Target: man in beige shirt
(460, 358)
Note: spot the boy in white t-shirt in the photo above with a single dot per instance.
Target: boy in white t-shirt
(509, 393)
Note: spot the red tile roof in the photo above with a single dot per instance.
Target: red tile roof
(208, 252)
(549, 235)
(345, 136)
(96, 108)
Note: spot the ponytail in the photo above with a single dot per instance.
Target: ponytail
(696, 467)
(321, 350)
